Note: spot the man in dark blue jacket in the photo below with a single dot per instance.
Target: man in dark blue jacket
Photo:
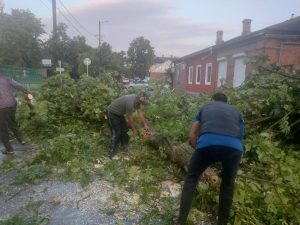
(8, 106)
(217, 137)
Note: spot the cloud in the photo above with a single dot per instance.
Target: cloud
(129, 19)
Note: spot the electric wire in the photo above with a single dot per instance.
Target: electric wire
(70, 22)
(74, 18)
(44, 4)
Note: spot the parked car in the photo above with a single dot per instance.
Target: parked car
(139, 83)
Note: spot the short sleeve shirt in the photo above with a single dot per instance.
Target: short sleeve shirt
(124, 105)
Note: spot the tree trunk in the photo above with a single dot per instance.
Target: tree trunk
(179, 153)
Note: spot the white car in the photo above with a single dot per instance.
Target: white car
(137, 84)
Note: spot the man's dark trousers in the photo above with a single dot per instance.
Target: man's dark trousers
(8, 121)
(201, 159)
(118, 128)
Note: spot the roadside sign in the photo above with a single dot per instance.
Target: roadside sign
(87, 61)
(59, 69)
(46, 62)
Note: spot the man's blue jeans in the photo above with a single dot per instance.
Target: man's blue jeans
(201, 159)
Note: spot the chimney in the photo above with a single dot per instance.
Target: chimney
(246, 26)
(219, 39)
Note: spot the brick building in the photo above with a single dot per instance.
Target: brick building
(205, 70)
(159, 71)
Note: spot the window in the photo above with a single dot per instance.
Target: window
(179, 71)
(190, 80)
(239, 73)
(208, 74)
(222, 71)
(198, 74)
(177, 74)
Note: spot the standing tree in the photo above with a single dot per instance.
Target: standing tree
(104, 56)
(20, 41)
(66, 49)
(140, 56)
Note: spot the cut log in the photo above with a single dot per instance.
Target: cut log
(179, 153)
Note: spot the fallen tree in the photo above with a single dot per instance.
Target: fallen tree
(177, 153)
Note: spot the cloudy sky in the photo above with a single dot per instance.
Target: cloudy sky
(174, 27)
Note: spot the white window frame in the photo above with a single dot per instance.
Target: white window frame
(219, 61)
(177, 74)
(198, 74)
(240, 56)
(208, 82)
(190, 76)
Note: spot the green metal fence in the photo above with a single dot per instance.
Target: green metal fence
(31, 78)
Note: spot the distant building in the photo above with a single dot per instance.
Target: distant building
(158, 71)
(205, 70)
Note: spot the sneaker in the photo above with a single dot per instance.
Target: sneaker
(23, 142)
(8, 152)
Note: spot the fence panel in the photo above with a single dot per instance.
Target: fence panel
(31, 78)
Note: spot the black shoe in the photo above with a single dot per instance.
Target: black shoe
(8, 152)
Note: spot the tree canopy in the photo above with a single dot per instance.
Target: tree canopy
(140, 56)
(20, 38)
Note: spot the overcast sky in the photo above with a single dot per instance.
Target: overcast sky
(174, 27)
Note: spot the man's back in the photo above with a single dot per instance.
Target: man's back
(123, 105)
(220, 118)
(6, 93)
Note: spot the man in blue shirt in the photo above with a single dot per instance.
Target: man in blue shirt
(217, 137)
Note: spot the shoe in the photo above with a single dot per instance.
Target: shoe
(23, 142)
(6, 152)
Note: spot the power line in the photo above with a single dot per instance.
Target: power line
(72, 25)
(68, 11)
(44, 4)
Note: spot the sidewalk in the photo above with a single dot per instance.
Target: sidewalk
(19, 150)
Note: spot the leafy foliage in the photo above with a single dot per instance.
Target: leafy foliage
(140, 56)
(172, 113)
(20, 42)
(32, 174)
(267, 187)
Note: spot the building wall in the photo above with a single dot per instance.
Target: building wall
(285, 52)
(202, 87)
(179, 78)
(157, 76)
(290, 55)
(247, 48)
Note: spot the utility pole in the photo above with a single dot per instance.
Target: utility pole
(99, 34)
(105, 21)
(100, 40)
(54, 19)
